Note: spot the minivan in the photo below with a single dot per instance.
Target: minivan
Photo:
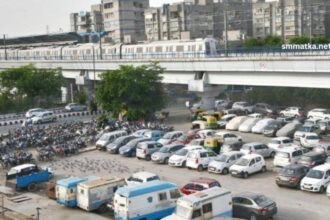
(108, 138)
(288, 155)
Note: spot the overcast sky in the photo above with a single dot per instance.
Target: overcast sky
(29, 17)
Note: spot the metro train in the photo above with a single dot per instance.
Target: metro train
(199, 48)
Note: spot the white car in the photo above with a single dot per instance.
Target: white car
(257, 148)
(74, 107)
(317, 179)
(140, 133)
(244, 106)
(247, 165)
(44, 117)
(279, 143)
(288, 155)
(261, 125)
(310, 140)
(292, 112)
(200, 159)
(324, 148)
(141, 177)
(304, 130)
(222, 163)
(179, 158)
(34, 112)
(236, 122)
(248, 124)
(196, 142)
(256, 115)
(227, 137)
(205, 133)
(225, 119)
(328, 190)
(319, 113)
(170, 136)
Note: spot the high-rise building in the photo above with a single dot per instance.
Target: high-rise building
(124, 20)
(86, 22)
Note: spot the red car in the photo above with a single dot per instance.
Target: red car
(186, 138)
(199, 184)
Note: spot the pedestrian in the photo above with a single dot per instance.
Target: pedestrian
(188, 104)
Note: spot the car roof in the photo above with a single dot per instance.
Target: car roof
(173, 145)
(322, 167)
(230, 153)
(281, 138)
(310, 134)
(318, 109)
(203, 180)
(23, 166)
(253, 143)
(144, 174)
(250, 195)
(312, 154)
(294, 166)
(251, 156)
(289, 149)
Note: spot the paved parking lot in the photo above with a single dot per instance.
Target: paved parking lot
(293, 204)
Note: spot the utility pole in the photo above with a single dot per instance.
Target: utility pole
(5, 46)
(310, 25)
(100, 31)
(94, 78)
(226, 33)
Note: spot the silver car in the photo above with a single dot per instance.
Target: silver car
(258, 148)
(163, 155)
(144, 150)
(224, 162)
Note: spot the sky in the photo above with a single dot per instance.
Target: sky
(32, 17)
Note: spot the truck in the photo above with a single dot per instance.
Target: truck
(66, 190)
(211, 204)
(97, 194)
(147, 201)
(28, 180)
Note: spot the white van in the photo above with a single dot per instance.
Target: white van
(153, 200)
(288, 155)
(317, 179)
(108, 138)
(209, 203)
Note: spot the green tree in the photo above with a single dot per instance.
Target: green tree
(81, 97)
(136, 89)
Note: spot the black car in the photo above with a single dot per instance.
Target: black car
(270, 130)
(253, 206)
(129, 150)
(312, 159)
(114, 147)
(291, 175)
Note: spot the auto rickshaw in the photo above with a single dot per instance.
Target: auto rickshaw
(207, 122)
(195, 114)
(217, 115)
(213, 143)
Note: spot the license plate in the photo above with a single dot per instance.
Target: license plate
(284, 178)
(234, 172)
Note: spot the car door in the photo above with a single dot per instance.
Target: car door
(258, 149)
(210, 157)
(327, 178)
(295, 156)
(265, 150)
(259, 164)
(151, 148)
(252, 166)
(204, 159)
(241, 207)
(231, 160)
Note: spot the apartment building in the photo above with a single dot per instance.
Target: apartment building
(87, 21)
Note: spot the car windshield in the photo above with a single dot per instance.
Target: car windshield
(168, 136)
(132, 143)
(282, 154)
(312, 137)
(316, 174)
(288, 171)
(119, 140)
(305, 129)
(246, 147)
(222, 158)
(243, 162)
(164, 150)
(271, 126)
(181, 152)
(134, 179)
(260, 199)
(105, 137)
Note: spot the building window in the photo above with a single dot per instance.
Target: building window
(108, 5)
(162, 196)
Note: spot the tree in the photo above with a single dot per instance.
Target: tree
(81, 97)
(307, 39)
(269, 41)
(136, 89)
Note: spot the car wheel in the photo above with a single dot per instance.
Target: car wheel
(166, 161)
(272, 155)
(225, 171)
(103, 208)
(183, 164)
(264, 169)
(200, 168)
(253, 216)
(245, 175)
(322, 189)
(148, 158)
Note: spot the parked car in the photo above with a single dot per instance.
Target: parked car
(247, 165)
(256, 115)
(324, 126)
(288, 129)
(108, 138)
(164, 153)
(319, 113)
(200, 159)
(129, 150)
(179, 158)
(291, 175)
(33, 112)
(228, 147)
(196, 142)
(170, 136)
(220, 105)
(317, 179)
(288, 155)
(224, 120)
(245, 106)
(43, 117)
(235, 123)
(74, 107)
(141, 132)
(280, 142)
(228, 137)
(306, 129)
(261, 125)
(199, 184)
(293, 111)
(237, 112)
(222, 163)
(323, 148)
(154, 135)
(248, 124)
(249, 205)
(310, 140)
(114, 147)
(141, 177)
(311, 121)
(258, 148)
(263, 108)
(205, 133)
(312, 159)
(144, 150)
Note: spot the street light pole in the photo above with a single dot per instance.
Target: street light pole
(5, 46)
(100, 31)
